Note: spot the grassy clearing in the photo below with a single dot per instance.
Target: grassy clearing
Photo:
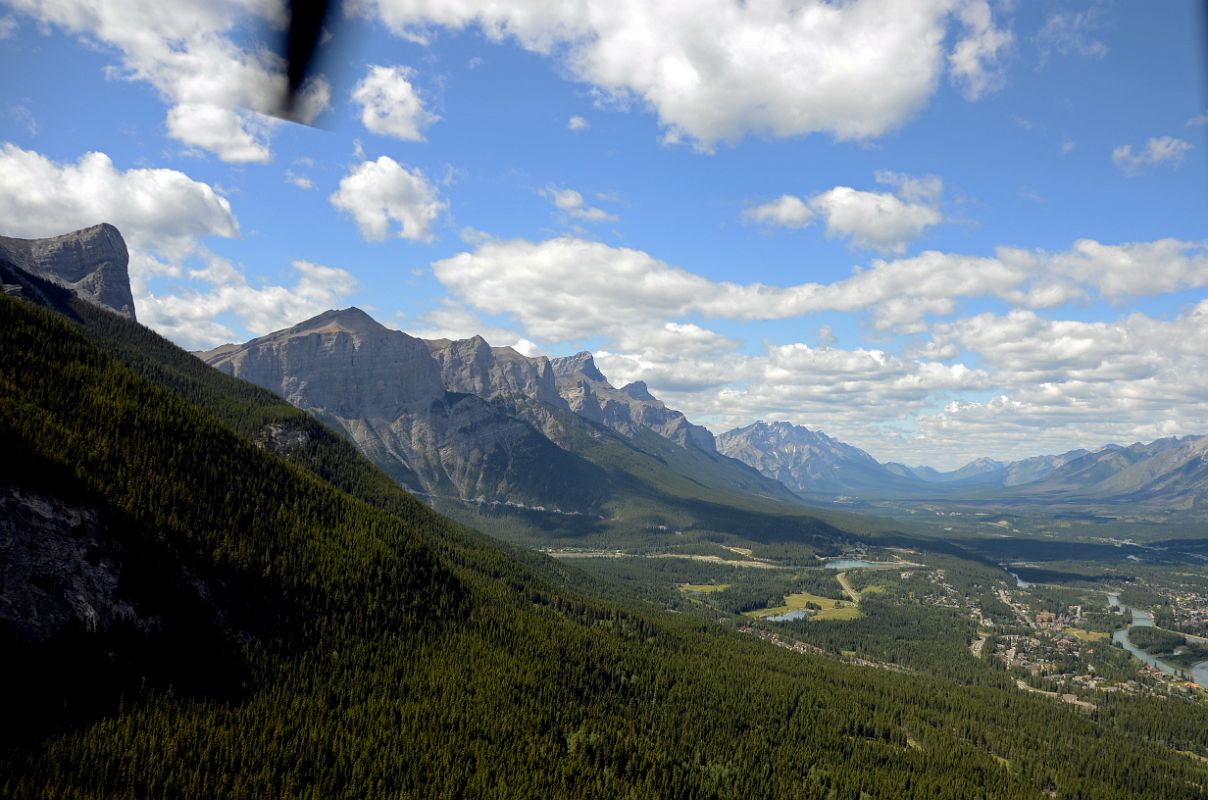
(1086, 636)
(831, 609)
(703, 588)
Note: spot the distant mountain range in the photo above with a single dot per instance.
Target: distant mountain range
(1172, 472)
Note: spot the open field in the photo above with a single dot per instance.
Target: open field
(831, 609)
(703, 588)
(1086, 636)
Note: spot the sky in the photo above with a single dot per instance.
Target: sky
(937, 230)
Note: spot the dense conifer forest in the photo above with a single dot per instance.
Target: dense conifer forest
(321, 634)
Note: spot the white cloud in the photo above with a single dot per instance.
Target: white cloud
(452, 321)
(214, 87)
(390, 105)
(975, 63)
(8, 27)
(1197, 121)
(162, 210)
(235, 136)
(785, 211)
(1068, 383)
(717, 70)
(567, 288)
(570, 202)
(301, 181)
(378, 193)
(192, 316)
(1067, 147)
(1159, 151)
(877, 220)
(1066, 33)
(577, 123)
(913, 188)
(164, 216)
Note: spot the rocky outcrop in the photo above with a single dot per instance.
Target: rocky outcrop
(474, 367)
(92, 262)
(58, 567)
(626, 410)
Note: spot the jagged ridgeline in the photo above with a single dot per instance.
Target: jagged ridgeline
(207, 593)
(480, 430)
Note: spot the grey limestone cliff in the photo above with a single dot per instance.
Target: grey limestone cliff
(625, 410)
(473, 366)
(92, 262)
(386, 391)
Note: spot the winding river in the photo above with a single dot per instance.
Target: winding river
(1143, 619)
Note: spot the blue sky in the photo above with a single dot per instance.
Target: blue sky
(937, 230)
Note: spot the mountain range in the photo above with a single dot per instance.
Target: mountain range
(1172, 472)
(474, 427)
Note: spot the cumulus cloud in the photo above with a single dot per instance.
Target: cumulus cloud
(975, 63)
(577, 123)
(8, 27)
(301, 181)
(569, 288)
(192, 314)
(874, 220)
(236, 136)
(185, 50)
(390, 104)
(165, 217)
(1159, 151)
(449, 320)
(571, 203)
(1052, 384)
(161, 210)
(379, 193)
(1061, 384)
(785, 211)
(718, 70)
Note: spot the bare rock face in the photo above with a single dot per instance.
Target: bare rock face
(387, 392)
(801, 459)
(58, 567)
(626, 410)
(474, 367)
(92, 262)
(342, 363)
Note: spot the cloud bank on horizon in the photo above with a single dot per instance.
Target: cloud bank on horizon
(938, 230)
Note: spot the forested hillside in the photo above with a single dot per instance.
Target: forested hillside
(358, 645)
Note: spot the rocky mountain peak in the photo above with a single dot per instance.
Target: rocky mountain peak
(341, 361)
(349, 320)
(581, 363)
(638, 390)
(474, 367)
(92, 262)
